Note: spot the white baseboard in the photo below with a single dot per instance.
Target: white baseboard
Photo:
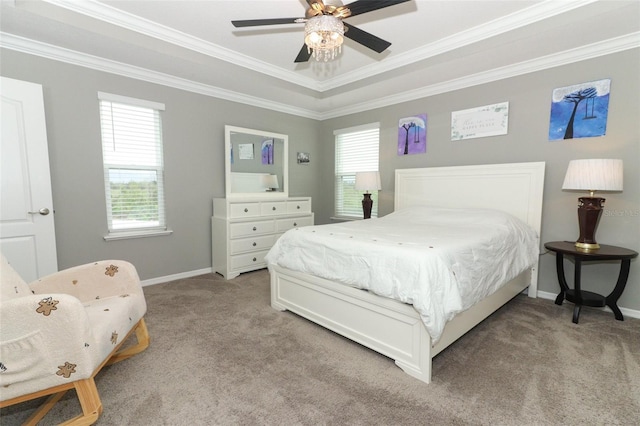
(631, 313)
(167, 278)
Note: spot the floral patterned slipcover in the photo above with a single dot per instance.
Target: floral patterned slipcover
(62, 327)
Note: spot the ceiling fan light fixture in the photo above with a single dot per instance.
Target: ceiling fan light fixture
(324, 35)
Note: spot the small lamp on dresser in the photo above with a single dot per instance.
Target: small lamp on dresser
(592, 175)
(367, 181)
(270, 182)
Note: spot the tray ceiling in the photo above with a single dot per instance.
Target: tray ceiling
(437, 46)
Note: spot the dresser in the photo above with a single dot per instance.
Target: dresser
(243, 230)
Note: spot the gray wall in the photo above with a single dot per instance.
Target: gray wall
(194, 150)
(529, 99)
(193, 130)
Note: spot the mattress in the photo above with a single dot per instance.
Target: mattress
(440, 260)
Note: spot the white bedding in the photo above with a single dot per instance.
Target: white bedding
(440, 260)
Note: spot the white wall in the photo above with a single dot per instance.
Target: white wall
(529, 99)
(193, 133)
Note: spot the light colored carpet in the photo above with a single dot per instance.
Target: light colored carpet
(220, 355)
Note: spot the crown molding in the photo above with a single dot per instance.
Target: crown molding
(120, 18)
(24, 45)
(606, 47)
(532, 14)
(502, 25)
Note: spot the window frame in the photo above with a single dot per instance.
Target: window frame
(113, 232)
(371, 163)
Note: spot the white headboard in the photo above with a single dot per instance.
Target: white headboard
(515, 188)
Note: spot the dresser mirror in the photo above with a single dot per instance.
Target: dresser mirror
(256, 163)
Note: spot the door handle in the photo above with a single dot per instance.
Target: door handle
(43, 211)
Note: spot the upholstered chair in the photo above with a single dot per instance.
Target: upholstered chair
(58, 332)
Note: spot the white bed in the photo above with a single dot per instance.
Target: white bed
(396, 329)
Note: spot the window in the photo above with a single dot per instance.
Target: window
(133, 165)
(357, 150)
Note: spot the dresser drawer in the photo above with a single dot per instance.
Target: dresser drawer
(241, 261)
(272, 208)
(237, 210)
(243, 229)
(246, 229)
(243, 245)
(299, 206)
(283, 225)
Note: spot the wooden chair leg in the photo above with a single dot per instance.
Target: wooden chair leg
(143, 339)
(86, 389)
(89, 398)
(89, 401)
(44, 409)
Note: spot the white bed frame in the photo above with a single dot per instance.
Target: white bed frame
(393, 328)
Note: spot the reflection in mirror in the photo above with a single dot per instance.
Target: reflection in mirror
(256, 163)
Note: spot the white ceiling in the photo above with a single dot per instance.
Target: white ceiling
(437, 46)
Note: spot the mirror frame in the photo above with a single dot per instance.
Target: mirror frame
(228, 130)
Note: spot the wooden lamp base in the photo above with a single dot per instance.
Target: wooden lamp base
(367, 204)
(589, 212)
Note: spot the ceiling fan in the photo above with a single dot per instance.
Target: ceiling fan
(324, 27)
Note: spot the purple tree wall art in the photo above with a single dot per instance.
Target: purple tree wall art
(580, 111)
(267, 151)
(412, 135)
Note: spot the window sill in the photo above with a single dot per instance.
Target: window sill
(344, 218)
(125, 235)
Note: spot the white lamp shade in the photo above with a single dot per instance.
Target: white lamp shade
(368, 181)
(270, 181)
(594, 175)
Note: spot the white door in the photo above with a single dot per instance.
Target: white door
(27, 235)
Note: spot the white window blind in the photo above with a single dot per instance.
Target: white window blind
(133, 163)
(357, 150)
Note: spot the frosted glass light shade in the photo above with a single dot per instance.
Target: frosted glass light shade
(324, 35)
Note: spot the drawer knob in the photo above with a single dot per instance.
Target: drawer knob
(298, 207)
(246, 210)
(255, 229)
(254, 244)
(295, 224)
(273, 208)
(254, 259)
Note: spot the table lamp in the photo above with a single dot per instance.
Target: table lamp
(592, 175)
(270, 182)
(367, 181)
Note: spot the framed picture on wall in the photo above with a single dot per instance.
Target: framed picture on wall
(480, 122)
(267, 151)
(245, 151)
(580, 110)
(303, 158)
(412, 135)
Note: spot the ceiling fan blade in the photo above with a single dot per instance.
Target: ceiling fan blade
(363, 6)
(303, 55)
(259, 22)
(366, 39)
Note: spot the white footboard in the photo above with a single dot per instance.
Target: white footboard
(389, 327)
